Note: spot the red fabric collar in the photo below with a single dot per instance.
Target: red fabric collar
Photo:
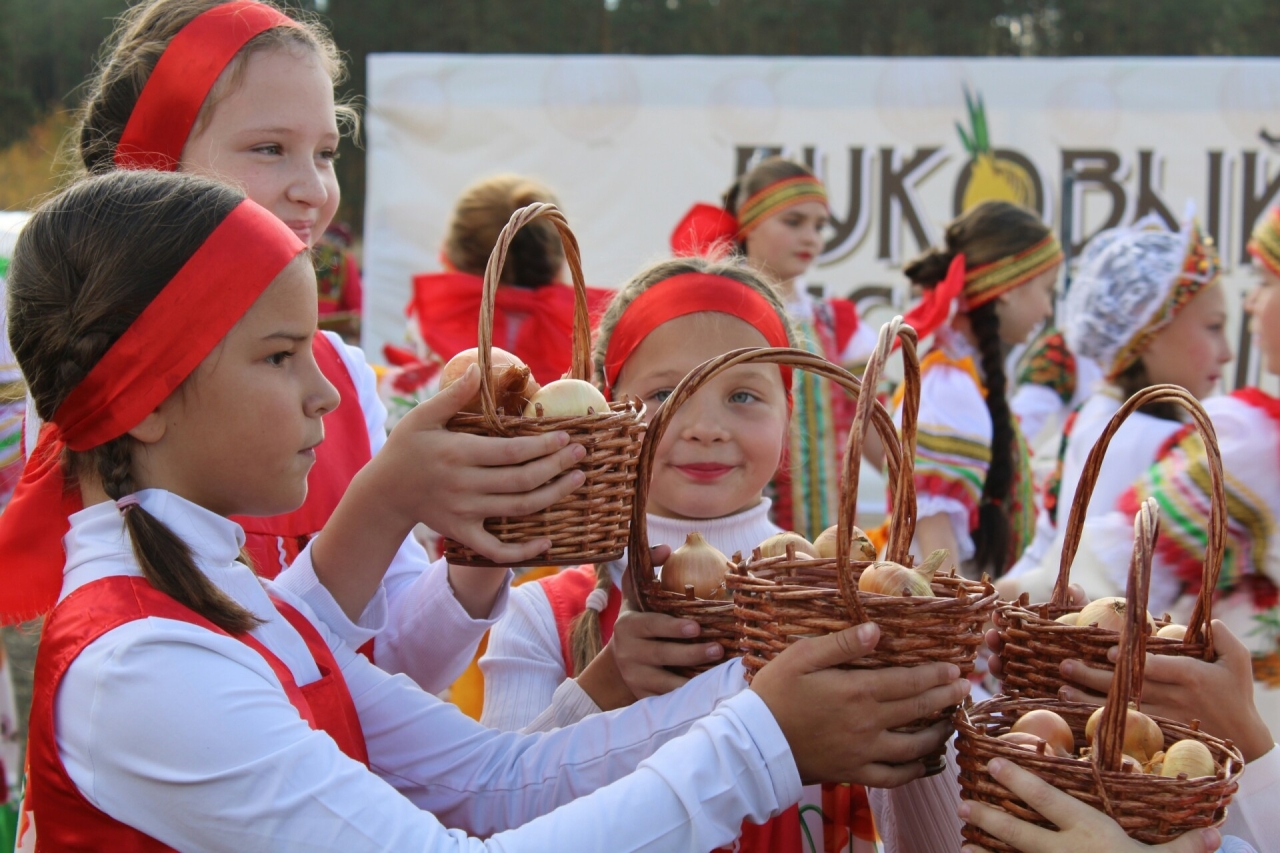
(691, 293)
(447, 305)
(170, 338)
(166, 111)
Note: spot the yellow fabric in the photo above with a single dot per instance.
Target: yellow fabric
(468, 691)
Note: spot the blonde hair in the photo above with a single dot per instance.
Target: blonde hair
(141, 35)
(535, 256)
(585, 640)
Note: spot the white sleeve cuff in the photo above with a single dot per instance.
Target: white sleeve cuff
(759, 722)
(956, 512)
(300, 580)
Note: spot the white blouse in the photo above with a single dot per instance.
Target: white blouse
(187, 736)
(524, 676)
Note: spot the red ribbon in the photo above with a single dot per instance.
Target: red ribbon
(707, 231)
(175, 91)
(935, 308)
(691, 293)
(170, 338)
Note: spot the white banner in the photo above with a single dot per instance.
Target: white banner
(629, 143)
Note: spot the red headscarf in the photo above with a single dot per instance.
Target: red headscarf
(170, 338)
(166, 110)
(690, 293)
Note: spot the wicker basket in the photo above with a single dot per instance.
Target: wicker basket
(1035, 645)
(717, 618)
(591, 524)
(1151, 809)
(780, 600)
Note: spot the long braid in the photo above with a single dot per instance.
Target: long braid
(585, 638)
(992, 539)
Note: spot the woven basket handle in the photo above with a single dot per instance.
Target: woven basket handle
(640, 574)
(1126, 684)
(902, 523)
(1202, 615)
(582, 367)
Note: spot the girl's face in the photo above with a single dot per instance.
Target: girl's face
(1024, 308)
(784, 245)
(275, 135)
(239, 437)
(1192, 349)
(724, 444)
(1263, 305)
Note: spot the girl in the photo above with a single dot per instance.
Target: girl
(260, 115)
(1247, 423)
(710, 473)
(774, 217)
(985, 290)
(163, 323)
(1147, 305)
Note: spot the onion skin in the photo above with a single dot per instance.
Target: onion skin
(1108, 614)
(1068, 619)
(1190, 757)
(860, 547)
(776, 545)
(1173, 632)
(566, 398)
(1027, 741)
(885, 578)
(1142, 737)
(1049, 727)
(698, 564)
(509, 378)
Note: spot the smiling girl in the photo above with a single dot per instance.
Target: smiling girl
(775, 217)
(241, 92)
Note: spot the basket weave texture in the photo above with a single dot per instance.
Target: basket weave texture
(1151, 809)
(590, 525)
(716, 617)
(1035, 645)
(780, 600)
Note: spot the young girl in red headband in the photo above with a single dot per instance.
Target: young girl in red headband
(241, 92)
(164, 324)
(774, 216)
(544, 656)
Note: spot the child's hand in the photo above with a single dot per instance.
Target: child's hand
(1218, 694)
(452, 482)
(837, 721)
(1080, 827)
(1075, 596)
(643, 649)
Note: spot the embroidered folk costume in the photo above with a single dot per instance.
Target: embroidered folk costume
(1131, 284)
(953, 449)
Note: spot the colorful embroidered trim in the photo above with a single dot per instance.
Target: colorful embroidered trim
(1048, 362)
(986, 282)
(1265, 243)
(777, 197)
(1200, 269)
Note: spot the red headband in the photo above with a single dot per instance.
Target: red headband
(166, 111)
(170, 338)
(690, 293)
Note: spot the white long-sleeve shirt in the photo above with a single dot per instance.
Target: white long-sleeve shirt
(428, 635)
(187, 736)
(524, 674)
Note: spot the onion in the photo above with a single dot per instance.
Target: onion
(1190, 757)
(1108, 614)
(1068, 619)
(1173, 632)
(887, 578)
(566, 398)
(1142, 737)
(1050, 727)
(509, 378)
(776, 545)
(860, 547)
(698, 564)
